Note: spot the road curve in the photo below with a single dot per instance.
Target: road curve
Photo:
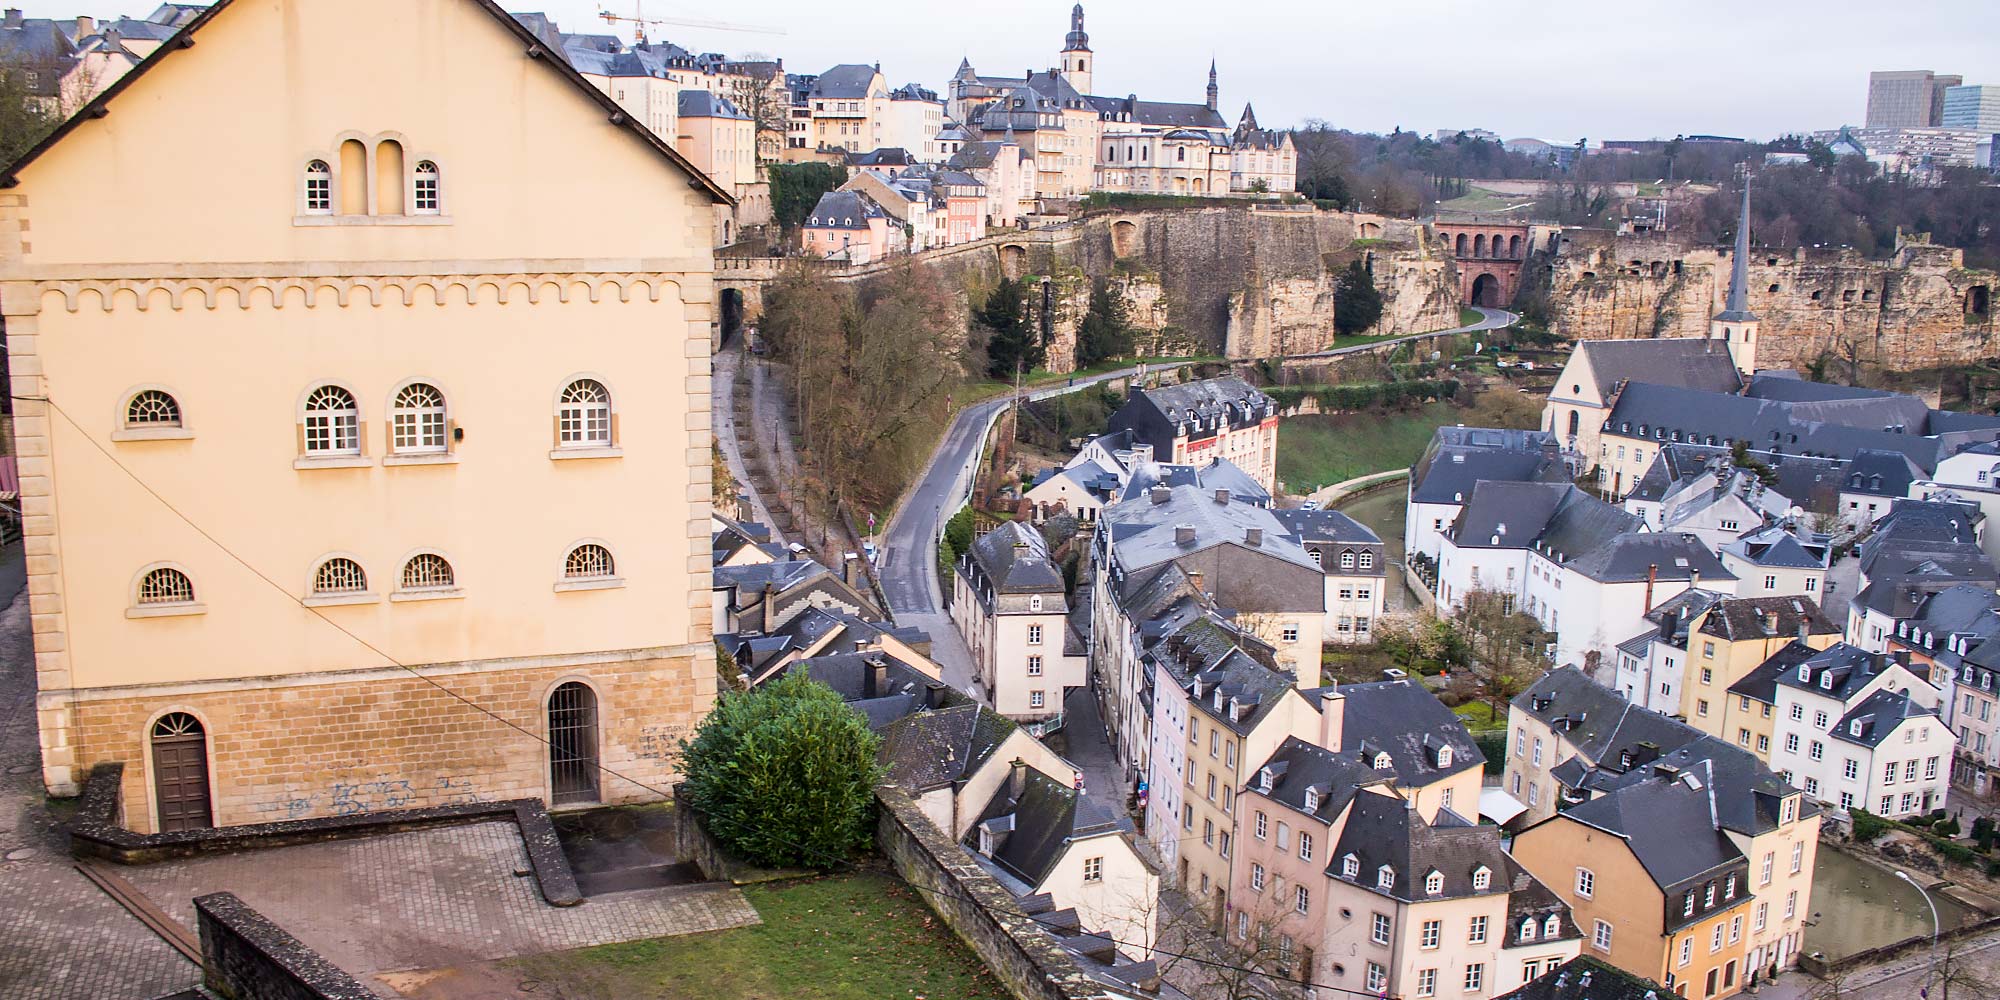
(909, 546)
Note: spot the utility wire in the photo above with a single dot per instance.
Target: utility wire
(599, 765)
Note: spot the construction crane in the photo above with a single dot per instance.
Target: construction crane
(639, 21)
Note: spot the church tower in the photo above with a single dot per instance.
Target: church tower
(1736, 325)
(1078, 62)
(1214, 92)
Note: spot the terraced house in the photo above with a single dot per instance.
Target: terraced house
(271, 545)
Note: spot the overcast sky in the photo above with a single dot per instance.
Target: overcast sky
(1553, 69)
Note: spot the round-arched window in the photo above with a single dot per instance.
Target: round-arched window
(588, 562)
(339, 575)
(417, 421)
(332, 422)
(150, 409)
(427, 571)
(166, 586)
(583, 415)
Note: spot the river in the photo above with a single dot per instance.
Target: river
(1383, 511)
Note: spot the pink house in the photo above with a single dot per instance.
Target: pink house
(847, 226)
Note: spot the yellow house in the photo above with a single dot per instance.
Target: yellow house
(1726, 643)
(364, 433)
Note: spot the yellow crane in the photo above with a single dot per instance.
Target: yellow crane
(639, 21)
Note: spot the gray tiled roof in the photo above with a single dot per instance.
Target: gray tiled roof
(1014, 559)
(1326, 526)
(1600, 724)
(1692, 363)
(1588, 978)
(1406, 721)
(1740, 618)
(846, 80)
(1762, 683)
(1448, 470)
(1388, 830)
(1146, 533)
(702, 104)
(1877, 716)
(1040, 817)
(1298, 765)
(1851, 668)
(843, 210)
(932, 749)
(1667, 824)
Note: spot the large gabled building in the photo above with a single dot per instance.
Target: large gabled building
(1195, 423)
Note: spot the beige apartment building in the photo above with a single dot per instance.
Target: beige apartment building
(356, 408)
(1008, 602)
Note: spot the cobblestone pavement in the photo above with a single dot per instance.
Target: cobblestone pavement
(430, 898)
(61, 938)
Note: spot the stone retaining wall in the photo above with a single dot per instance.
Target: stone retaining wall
(245, 956)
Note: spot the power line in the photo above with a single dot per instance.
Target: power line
(599, 765)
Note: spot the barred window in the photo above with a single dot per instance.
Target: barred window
(417, 424)
(166, 586)
(332, 423)
(427, 188)
(319, 188)
(583, 418)
(152, 408)
(339, 576)
(427, 571)
(588, 562)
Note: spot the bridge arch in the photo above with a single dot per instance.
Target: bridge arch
(1486, 290)
(1013, 260)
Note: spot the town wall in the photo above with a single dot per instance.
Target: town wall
(1922, 308)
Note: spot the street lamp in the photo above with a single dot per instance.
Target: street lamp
(1905, 876)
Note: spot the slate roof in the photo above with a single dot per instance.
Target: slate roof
(1878, 715)
(1832, 429)
(1880, 473)
(1762, 683)
(1297, 765)
(530, 43)
(1237, 693)
(1671, 618)
(784, 574)
(1388, 830)
(1744, 795)
(1219, 474)
(702, 104)
(1326, 526)
(933, 749)
(1144, 531)
(882, 156)
(1632, 556)
(1158, 113)
(1850, 666)
(1790, 388)
(1667, 824)
(1588, 978)
(1040, 817)
(1741, 618)
(1600, 724)
(1405, 720)
(1780, 546)
(1015, 560)
(40, 42)
(843, 210)
(1455, 461)
(845, 81)
(1689, 363)
(1205, 399)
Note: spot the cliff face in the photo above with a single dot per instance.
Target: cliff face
(1920, 309)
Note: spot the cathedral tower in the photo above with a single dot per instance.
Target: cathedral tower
(1078, 62)
(1214, 92)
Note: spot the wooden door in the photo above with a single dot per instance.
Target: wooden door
(180, 773)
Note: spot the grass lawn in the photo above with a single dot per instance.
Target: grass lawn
(1479, 715)
(838, 937)
(1320, 450)
(1468, 316)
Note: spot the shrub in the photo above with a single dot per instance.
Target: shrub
(1494, 746)
(1947, 827)
(784, 775)
(1957, 854)
(1868, 826)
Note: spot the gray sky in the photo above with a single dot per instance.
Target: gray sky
(1553, 69)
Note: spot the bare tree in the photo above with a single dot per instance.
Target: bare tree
(1952, 970)
(1252, 959)
(1506, 646)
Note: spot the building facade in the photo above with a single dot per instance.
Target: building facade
(314, 638)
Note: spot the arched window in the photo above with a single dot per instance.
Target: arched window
(583, 415)
(425, 192)
(1575, 422)
(428, 571)
(332, 422)
(165, 586)
(339, 576)
(389, 177)
(589, 561)
(152, 409)
(417, 420)
(1180, 153)
(318, 188)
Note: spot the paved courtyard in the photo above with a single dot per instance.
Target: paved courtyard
(430, 898)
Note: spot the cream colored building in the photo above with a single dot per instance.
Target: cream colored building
(313, 454)
(848, 108)
(721, 141)
(1008, 602)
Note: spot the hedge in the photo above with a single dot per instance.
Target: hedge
(1363, 395)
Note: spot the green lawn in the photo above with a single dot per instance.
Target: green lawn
(840, 937)
(1478, 715)
(1315, 451)
(1468, 316)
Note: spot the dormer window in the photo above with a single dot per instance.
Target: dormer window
(1854, 728)
(1444, 756)
(1385, 877)
(1433, 883)
(1264, 780)
(1528, 929)
(1552, 926)
(1826, 681)
(1482, 878)
(1350, 866)
(1035, 603)
(1805, 673)
(1382, 762)
(1312, 800)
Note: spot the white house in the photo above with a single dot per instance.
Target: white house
(1008, 602)
(1455, 460)
(1861, 730)
(1356, 568)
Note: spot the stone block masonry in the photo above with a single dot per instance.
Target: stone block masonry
(348, 743)
(247, 957)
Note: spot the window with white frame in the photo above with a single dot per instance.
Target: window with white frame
(1476, 934)
(1431, 934)
(428, 571)
(1034, 635)
(583, 415)
(417, 421)
(589, 561)
(1347, 560)
(152, 409)
(1380, 932)
(1257, 877)
(1482, 878)
(1262, 825)
(1433, 883)
(1034, 666)
(1600, 936)
(1093, 869)
(425, 196)
(1427, 983)
(1552, 926)
(1586, 882)
(332, 422)
(1378, 978)
(339, 576)
(1350, 866)
(1475, 977)
(1037, 699)
(318, 188)
(1385, 877)
(1304, 903)
(1367, 560)
(1305, 846)
(164, 586)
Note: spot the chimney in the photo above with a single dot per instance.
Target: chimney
(13, 17)
(1253, 536)
(1183, 534)
(770, 607)
(1159, 494)
(1694, 579)
(1332, 718)
(1902, 657)
(934, 693)
(1221, 497)
(878, 677)
(1195, 579)
(85, 26)
(1652, 574)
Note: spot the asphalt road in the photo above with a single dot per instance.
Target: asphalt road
(909, 548)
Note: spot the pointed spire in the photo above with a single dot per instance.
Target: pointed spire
(1739, 263)
(1214, 92)
(1249, 117)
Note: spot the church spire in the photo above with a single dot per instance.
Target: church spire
(1078, 40)
(1214, 92)
(1738, 305)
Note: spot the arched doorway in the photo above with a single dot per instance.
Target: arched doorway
(1013, 260)
(1978, 301)
(1124, 238)
(180, 773)
(573, 744)
(732, 313)
(1486, 291)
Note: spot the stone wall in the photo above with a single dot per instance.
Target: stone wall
(1920, 309)
(1019, 951)
(244, 956)
(339, 744)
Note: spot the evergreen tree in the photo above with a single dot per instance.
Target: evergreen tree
(1106, 331)
(1012, 343)
(1356, 304)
